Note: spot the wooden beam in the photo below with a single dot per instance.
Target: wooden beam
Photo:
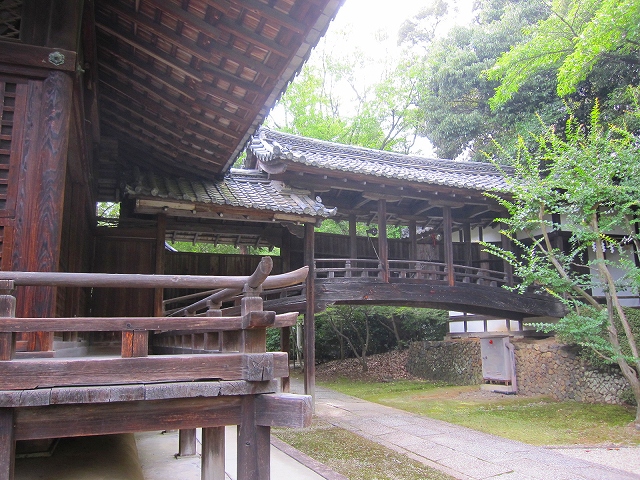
(271, 13)
(109, 76)
(184, 325)
(15, 53)
(224, 24)
(56, 421)
(284, 410)
(175, 64)
(132, 392)
(192, 47)
(28, 374)
(468, 298)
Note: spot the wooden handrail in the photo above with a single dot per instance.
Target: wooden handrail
(123, 280)
(409, 269)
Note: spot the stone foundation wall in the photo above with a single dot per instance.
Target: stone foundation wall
(455, 362)
(543, 367)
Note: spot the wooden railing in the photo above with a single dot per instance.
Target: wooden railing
(231, 381)
(405, 270)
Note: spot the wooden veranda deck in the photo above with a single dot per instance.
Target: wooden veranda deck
(229, 379)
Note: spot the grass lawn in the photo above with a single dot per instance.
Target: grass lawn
(353, 456)
(534, 420)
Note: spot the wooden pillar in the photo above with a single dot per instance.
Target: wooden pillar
(466, 232)
(383, 244)
(41, 189)
(448, 244)
(7, 309)
(213, 451)
(160, 252)
(285, 346)
(253, 444)
(413, 241)
(353, 237)
(135, 344)
(254, 448)
(508, 268)
(187, 442)
(285, 332)
(7, 444)
(309, 347)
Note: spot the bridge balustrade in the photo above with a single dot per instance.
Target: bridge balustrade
(405, 270)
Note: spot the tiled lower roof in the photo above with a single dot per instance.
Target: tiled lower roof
(245, 189)
(273, 148)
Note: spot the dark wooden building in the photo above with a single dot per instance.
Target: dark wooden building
(104, 98)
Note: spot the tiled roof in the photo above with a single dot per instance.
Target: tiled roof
(275, 148)
(239, 188)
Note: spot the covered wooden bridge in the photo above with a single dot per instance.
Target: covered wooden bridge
(148, 103)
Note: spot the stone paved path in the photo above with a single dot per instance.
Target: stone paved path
(461, 452)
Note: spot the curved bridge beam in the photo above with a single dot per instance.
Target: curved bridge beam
(463, 297)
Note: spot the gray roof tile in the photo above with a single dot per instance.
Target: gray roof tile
(239, 188)
(271, 147)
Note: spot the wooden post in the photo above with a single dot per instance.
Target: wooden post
(285, 332)
(413, 241)
(508, 268)
(466, 231)
(448, 244)
(160, 240)
(7, 444)
(254, 449)
(285, 346)
(309, 346)
(383, 244)
(7, 309)
(213, 451)
(41, 196)
(187, 442)
(135, 344)
(353, 237)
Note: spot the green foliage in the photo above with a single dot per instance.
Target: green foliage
(107, 213)
(584, 180)
(412, 324)
(362, 229)
(453, 95)
(378, 115)
(222, 249)
(571, 41)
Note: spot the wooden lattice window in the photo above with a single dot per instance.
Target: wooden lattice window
(7, 115)
(10, 16)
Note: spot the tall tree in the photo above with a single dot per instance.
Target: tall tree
(584, 181)
(452, 93)
(331, 101)
(576, 36)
